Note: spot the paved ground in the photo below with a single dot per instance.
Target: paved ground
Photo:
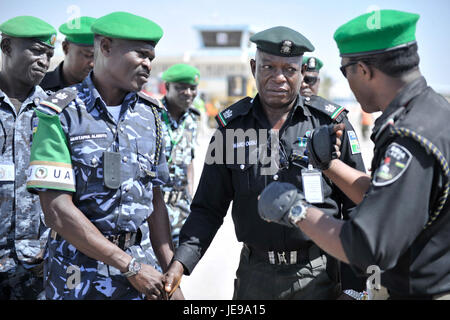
(214, 275)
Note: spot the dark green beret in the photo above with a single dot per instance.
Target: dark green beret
(29, 27)
(312, 63)
(376, 32)
(183, 73)
(78, 30)
(124, 25)
(282, 41)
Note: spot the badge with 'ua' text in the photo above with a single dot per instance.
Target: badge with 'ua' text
(7, 172)
(394, 163)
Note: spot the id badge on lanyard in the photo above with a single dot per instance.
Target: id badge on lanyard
(312, 185)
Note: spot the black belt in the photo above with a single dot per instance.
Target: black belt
(302, 256)
(122, 240)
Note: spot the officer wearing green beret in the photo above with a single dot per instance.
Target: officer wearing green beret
(27, 47)
(97, 162)
(399, 231)
(311, 78)
(276, 262)
(180, 127)
(78, 48)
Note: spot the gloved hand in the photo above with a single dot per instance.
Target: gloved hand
(276, 200)
(321, 147)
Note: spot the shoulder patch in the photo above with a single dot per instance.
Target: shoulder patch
(142, 94)
(334, 111)
(354, 143)
(394, 163)
(59, 100)
(235, 110)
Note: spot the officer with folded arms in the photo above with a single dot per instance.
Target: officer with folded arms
(402, 222)
(97, 162)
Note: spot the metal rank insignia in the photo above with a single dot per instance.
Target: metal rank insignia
(311, 63)
(286, 47)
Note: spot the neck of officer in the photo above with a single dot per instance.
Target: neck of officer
(391, 87)
(277, 116)
(110, 93)
(69, 78)
(175, 111)
(14, 89)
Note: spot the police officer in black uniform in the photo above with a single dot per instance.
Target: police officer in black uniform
(401, 226)
(78, 48)
(276, 262)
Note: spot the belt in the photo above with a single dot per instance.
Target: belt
(122, 240)
(278, 257)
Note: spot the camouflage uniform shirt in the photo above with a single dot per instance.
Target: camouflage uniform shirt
(22, 231)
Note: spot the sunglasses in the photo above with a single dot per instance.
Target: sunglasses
(344, 67)
(310, 80)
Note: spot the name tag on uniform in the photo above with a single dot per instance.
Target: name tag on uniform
(312, 185)
(7, 172)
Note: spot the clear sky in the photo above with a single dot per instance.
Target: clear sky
(317, 20)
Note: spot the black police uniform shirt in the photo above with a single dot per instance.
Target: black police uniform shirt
(242, 183)
(387, 229)
(54, 80)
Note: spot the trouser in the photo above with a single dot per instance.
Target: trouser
(257, 279)
(19, 283)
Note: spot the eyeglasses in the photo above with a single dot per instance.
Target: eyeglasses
(344, 67)
(310, 80)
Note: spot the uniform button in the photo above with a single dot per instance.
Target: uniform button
(275, 177)
(307, 98)
(121, 129)
(242, 167)
(125, 159)
(94, 161)
(127, 188)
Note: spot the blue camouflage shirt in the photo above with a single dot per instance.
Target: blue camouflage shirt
(89, 131)
(22, 230)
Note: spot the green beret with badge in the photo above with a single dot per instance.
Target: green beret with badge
(30, 27)
(312, 63)
(124, 25)
(376, 32)
(182, 73)
(78, 31)
(282, 41)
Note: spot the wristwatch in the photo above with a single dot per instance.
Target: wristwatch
(133, 268)
(298, 212)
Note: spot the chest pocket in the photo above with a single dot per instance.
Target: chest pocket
(243, 177)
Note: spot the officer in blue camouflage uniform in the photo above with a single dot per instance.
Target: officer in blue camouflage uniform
(97, 162)
(27, 46)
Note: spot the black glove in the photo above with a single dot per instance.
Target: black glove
(276, 200)
(320, 147)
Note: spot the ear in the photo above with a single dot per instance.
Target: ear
(105, 46)
(65, 46)
(253, 66)
(6, 46)
(365, 70)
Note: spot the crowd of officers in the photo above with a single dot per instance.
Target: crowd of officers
(97, 197)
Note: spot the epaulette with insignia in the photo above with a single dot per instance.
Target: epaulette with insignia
(237, 109)
(336, 112)
(142, 94)
(195, 111)
(58, 100)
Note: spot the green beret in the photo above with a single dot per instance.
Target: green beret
(29, 27)
(312, 63)
(183, 73)
(376, 32)
(78, 30)
(282, 41)
(124, 25)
